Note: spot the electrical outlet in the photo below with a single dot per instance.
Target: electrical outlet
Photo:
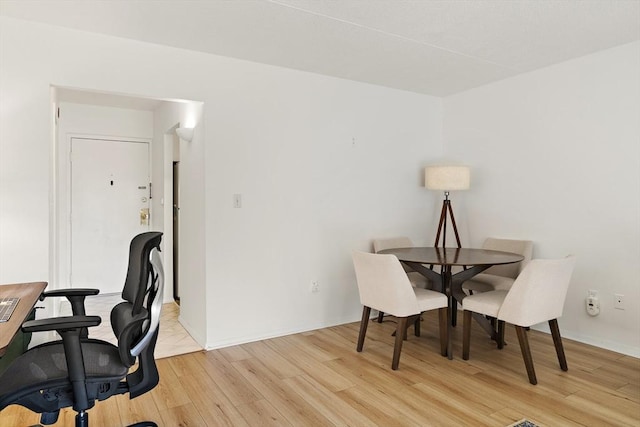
(593, 305)
(618, 301)
(315, 286)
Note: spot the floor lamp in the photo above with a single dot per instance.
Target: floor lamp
(447, 178)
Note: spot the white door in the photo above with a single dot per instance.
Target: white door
(109, 206)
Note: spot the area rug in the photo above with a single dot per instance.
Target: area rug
(523, 423)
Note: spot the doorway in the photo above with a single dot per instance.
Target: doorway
(176, 230)
(110, 203)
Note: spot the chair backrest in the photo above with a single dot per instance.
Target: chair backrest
(138, 268)
(391, 243)
(521, 247)
(538, 294)
(384, 285)
(135, 320)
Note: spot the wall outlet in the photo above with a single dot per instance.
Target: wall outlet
(593, 305)
(618, 301)
(315, 286)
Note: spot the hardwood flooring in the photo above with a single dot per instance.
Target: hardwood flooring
(318, 379)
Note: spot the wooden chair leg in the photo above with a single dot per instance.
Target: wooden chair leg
(454, 311)
(557, 341)
(366, 312)
(444, 335)
(380, 316)
(466, 333)
(500, 334)
(416, 326)
(526, 353)
(400, 331)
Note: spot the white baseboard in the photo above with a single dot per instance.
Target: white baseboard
(280, 333)
(594, 341)
(197, 337)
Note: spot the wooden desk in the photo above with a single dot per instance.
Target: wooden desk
(28, 294)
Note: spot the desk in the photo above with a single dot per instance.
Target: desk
(28, 294)
(474, 261)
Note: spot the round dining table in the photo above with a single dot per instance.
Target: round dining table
(469, 262)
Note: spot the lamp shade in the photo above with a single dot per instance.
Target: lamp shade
(447, 178)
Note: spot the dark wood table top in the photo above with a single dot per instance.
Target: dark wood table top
(453, 256)
(28, 294)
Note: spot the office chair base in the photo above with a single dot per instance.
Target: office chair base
(144, 424)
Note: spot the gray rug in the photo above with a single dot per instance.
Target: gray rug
(523, 423)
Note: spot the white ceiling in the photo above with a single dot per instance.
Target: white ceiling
(433, 47)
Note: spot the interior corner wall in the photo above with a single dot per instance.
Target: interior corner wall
(555, 158)
(323, 165)
(192, 238)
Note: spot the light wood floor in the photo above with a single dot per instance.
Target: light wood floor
(317, 378)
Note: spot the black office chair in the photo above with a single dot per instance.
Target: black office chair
(77, 371)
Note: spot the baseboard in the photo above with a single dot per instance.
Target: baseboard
(191, 331)
(627, 350)
(275, 334)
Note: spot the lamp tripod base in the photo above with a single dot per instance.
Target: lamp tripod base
(442, 226)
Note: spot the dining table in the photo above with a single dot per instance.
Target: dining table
(448, 268)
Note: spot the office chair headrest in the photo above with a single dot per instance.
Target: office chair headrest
(135, 284)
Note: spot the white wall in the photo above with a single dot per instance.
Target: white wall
(556, 159)
(285, 141)
(281, 138)
(192, 239)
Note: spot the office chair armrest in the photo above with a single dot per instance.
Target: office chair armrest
(75, 297)
(69, 292)
(61, 323)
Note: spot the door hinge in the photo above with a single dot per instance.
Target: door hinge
(150, 197)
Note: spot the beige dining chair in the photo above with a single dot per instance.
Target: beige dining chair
(537, 296)
(417, 280)
(383, 285)
(500, 276)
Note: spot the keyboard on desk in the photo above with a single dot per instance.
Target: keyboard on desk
(7, 305)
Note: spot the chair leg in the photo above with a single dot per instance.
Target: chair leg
(402, 326)
(366, 312)
(466, 333)
(500, 334)
(380, 316)
(453, 306)
(444, 335)
(557, 341)
(526, 353)
(416, 326)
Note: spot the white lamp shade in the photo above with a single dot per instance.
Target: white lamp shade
(447, 178)
(185, 133)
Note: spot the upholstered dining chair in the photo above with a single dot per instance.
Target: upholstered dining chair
(417, 280)
(500, 276)
(537, 296)
(384, 286)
